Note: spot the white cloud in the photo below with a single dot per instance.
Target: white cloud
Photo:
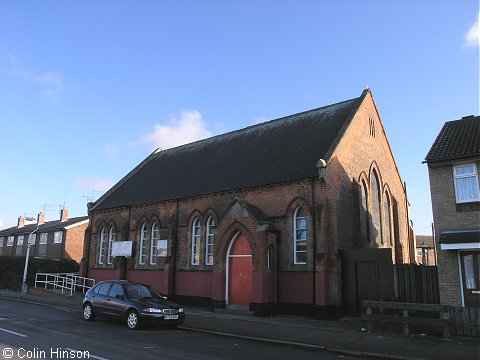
(53, 83)
(2, 224)
(185, 128)
(472, 38)
(94, 184)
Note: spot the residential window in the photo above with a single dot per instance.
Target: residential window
(469, 272)
(300, 236)
(209, 241)
(196, 233)
(153, 244)
(20, 240)
(10, 240)
(466, 183)
(1, 241)
(43, 238)
(143, 245)
(111, 239)
(33, 238)
(101, 247)
(58, 237)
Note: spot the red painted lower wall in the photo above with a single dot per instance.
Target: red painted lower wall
(157, 279)
(296, 287)
(262, 288)
(320, 288)
(104, 274)
(188, 283)
(217, 286)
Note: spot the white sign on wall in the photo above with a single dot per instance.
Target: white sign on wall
(162, 248)
(122, 248)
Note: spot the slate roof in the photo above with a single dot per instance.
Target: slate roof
(276, 151)
(45, 227)
(424, 241)
(457, 139)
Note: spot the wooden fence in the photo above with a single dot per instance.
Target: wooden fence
(416, 284)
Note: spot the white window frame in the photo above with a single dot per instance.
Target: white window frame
(142, 254)
(196, 241)
(154, 237)
(101, 247)
(20, 239)
(209, 241)
(10, 240)
(111, 239)
(473, 175)
(32, 239)
(1, 241)
(43, 238)
(58, 237)
(295, 236)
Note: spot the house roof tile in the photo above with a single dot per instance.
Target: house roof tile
(45, 227)
(457, 139)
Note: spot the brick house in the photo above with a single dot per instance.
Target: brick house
(426, 252)
(59, 239)
(453, 162)
(256, 217)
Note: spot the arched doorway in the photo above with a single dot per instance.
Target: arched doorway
(239, 259)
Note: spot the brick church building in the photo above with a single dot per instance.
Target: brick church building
(257, 217)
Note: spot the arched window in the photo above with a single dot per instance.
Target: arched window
(153, 244)
(376, 210)
(196, 232)
(143, 245)
(388, 220)
(299, 237)
(101, 246)
(111, 239)
(209, 241)
(364, 214)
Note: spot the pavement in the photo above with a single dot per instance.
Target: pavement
(346, 337)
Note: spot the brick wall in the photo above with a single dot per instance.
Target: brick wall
(331, 208)
(74, 240)
(447, 215)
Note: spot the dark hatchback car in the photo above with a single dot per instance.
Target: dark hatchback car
(134, 303)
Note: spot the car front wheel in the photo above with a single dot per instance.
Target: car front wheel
(88, 312)
(133, 321)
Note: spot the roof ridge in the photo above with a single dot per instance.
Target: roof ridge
(283, 118)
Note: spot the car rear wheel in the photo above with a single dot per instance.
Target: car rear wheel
(88, 312)
(133, 321)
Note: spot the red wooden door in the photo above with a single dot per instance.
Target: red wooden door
(240, 273)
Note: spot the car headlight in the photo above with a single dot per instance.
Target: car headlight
(153, 310)
(180, 310)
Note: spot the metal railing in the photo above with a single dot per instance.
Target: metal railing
(69, 282)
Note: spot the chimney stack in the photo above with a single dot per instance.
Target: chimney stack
(40, 218)
(63, 214)
(21, 221)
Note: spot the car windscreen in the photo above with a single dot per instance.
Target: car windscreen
(140, 291)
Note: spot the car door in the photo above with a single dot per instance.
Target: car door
(115, 303)
(99, 297)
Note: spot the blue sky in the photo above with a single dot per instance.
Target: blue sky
(88, 89)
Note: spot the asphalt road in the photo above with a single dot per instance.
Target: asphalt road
(30, 331)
